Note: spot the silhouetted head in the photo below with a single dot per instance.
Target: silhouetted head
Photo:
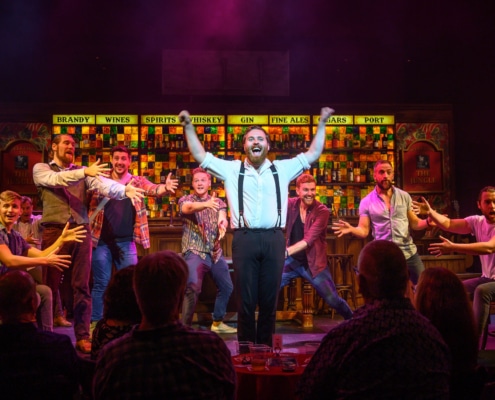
(383, 271)
(17, 296)
(119, 300)
(160, 283)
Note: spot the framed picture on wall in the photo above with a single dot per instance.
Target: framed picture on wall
(422, 168)
(18, 160)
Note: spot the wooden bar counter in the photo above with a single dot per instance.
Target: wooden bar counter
(298, 300)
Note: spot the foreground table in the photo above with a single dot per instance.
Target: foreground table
(272, 383)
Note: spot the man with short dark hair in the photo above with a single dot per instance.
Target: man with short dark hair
(117, 225)
(161, 358)
(388, 350)
(482, 227)
(387, 212)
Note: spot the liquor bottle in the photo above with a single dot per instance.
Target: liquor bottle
(385, 142)
(376, 141)
(322, 172)
(328, 172)
(335, 140)
(348, 141)
(390, 141)
(163, 176)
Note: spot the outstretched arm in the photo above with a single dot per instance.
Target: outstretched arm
(459, 226)
(318, 142)
(361, 231)
(193, 143)
(476, 248)
(76, 234)
(134, 193)
(22, 262)
(416, 223)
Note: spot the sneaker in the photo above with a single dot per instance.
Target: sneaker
(92, 328)
(61, 321)
(84, 346)
(223, 328)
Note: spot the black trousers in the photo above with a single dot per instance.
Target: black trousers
(258, 257)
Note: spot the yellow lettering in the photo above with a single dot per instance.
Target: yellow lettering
(423, 180)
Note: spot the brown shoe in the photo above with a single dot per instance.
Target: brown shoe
(84, 346)
(61, 321)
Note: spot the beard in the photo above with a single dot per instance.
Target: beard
(258, 158)
(308, 200)
(64, 157)
(384, 185)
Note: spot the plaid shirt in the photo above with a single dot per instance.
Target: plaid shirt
(388, 350)
(141, 230)
(170, 362)
(200, 229)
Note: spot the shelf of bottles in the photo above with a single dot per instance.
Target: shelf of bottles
(344, 171)
(353, 144)
(96, 135)
(163, 150)
(289, 135)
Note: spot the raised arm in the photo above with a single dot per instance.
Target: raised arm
(318, 142)
(193, 143)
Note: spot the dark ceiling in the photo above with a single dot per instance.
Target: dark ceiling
(346, 51)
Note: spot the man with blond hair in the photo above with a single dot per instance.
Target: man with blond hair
(16, 253)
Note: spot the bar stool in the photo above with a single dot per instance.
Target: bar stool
(341, 268)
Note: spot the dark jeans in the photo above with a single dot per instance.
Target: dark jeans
(258, 257)
(81, 268)
(416, 267)
(323, 283)
(197, 270)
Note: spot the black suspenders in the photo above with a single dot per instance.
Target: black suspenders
(241, 196)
